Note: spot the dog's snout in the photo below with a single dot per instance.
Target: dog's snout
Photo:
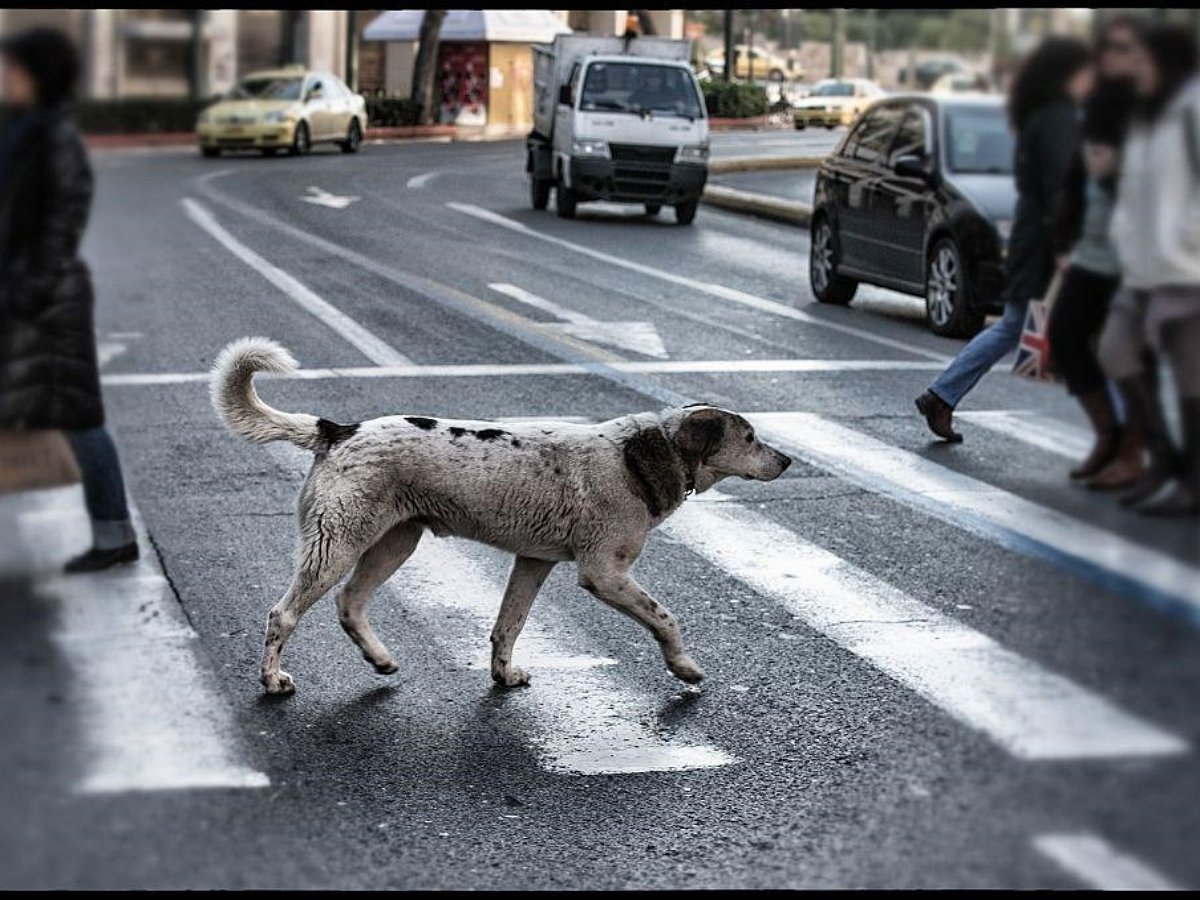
(787, 461)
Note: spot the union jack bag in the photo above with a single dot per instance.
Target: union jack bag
(1033, 353)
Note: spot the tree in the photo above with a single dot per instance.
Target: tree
(425, 66)
(644, 20)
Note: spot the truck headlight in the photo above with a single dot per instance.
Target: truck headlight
(694, 154)
(275, 117)
(590, 149)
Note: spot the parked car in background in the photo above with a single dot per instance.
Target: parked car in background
(961, 83)
(834, 102)
(754, 62)
(284, 109)
(919, 198)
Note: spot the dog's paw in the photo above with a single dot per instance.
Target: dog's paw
(513, 676)
(685, 669)
(386, 668)
(279, 683)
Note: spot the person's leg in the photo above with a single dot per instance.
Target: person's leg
(972, 363)
(1181, 496)
(1075, 322)
(113, 537)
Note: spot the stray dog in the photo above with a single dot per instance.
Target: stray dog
(547, 492)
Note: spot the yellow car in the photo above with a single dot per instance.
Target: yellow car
(765, 64)
(835, 101)
(284, 109)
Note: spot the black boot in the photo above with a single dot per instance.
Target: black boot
(938, 416)
(1145, 417)
(98, 560)
(1181, 495)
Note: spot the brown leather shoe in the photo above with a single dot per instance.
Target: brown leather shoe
(1125, 470)
(939, 416)
(1100, 413)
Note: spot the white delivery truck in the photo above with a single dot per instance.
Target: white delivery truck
(619, 119)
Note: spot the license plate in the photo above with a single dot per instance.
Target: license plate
(234, 129)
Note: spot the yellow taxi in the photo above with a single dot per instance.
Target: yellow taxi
(284, 109)
(835, 101)
(754, 62)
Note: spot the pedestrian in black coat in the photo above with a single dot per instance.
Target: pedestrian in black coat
(49, 375)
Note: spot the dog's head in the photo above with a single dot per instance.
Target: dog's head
(715, 443)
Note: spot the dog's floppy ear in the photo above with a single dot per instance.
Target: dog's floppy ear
(658, 475)
(699, 436)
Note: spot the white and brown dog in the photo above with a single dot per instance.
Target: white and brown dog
(547, 492)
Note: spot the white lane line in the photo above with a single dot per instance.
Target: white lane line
(581, 720)
(647, 367)
(714, 290)
(153, 718)
(991, 512)
(1032, 712)
(1099, 865)
(639, 337)
(417, 182)
(1029, 428)
(373, 348)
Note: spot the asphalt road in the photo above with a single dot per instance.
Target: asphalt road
(786, 184)
(928, 666)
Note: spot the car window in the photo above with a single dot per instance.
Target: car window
(573, 82)
(833, 89)
(267, 89)
(316, 85)
(979, 141)
(911, 137)
(870, 140)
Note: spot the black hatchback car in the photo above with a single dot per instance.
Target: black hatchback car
(919, 198)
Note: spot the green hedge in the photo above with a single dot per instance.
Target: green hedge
(734, 99)
(137, 115)
(389, 111)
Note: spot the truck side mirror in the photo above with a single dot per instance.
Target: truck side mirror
(564, 94)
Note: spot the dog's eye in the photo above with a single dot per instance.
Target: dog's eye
(750, 438)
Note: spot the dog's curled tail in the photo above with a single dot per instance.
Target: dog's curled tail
(238, 403)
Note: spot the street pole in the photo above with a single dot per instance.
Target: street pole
(729, 61)
(872, 23)
(352, 49)
(748, 40)
(196, 62)
(838, 44)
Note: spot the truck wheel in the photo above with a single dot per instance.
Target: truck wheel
(539, 193)
(565, 202)
(686, 212)
(653, 209)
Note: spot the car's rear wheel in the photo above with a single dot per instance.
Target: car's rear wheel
(685, 212)
(301, 143)
(775, 75)
(210, 152)
(565, 202)
(653, 209)
(269, 151)
(800, 126)
(947, 293)
(827, 285)
(539, 193)
(353, 138)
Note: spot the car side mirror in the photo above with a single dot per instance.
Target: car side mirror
(564, 94)
(912, 166)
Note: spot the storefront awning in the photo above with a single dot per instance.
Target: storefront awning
(520, 26)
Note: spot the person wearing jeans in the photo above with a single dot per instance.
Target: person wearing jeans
(49, 374)
(1044, 110)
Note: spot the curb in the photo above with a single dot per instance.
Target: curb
(762, 163)
(753, 123)
(790, 212)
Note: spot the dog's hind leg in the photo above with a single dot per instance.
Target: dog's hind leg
(528, 576)
(609, 581)
(374, 568)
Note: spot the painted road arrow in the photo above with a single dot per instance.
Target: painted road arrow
(639, 337)
(322, 197)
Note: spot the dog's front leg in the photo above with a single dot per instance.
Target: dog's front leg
(528, 576)
(610, 582)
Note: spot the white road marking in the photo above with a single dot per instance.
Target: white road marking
(639, 337)
(375, 349)
(714, 366)
(982, 509)
(714, 290)
(321, 197)
(1099, 865)
(153, 718)
(107, 351)
(1042, 432)
(581, 720)
(419, 181)
(1033, 713)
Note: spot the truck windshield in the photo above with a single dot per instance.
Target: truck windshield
(640, 88)
(978, 141)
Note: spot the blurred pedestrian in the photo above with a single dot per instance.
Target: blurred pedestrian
(49, 375)
(1156, 230)
(1085, 252)
(1043, 108)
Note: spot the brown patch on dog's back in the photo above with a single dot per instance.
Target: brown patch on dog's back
(457, 432)
(658, 472)
(422, 422)
(489, 434)
(332, 432)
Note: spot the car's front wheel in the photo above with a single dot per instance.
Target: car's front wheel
(353, 138)
(947, 293)
(301, 143)
(827, 285)
(801, 124)
(210, 152)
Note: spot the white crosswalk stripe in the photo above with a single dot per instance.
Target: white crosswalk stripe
(1050, 435)
(988, 511)
(153, 718)
(1099, 865)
